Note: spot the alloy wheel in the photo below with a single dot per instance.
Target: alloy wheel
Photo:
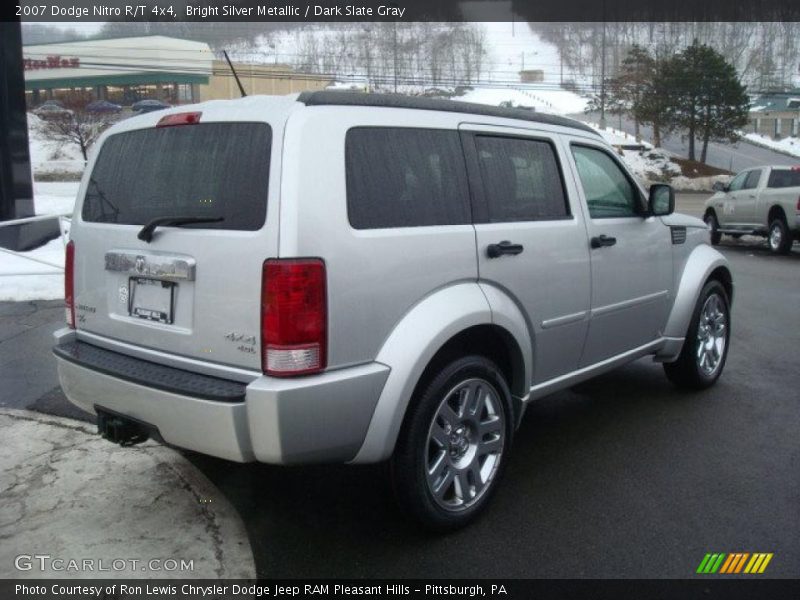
(711, 335)
(465, 444)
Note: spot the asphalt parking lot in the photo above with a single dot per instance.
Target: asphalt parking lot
(622, 476)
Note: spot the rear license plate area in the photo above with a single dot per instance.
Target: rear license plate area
(152, 299)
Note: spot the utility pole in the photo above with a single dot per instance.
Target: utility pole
(395, 56)
(603, 73)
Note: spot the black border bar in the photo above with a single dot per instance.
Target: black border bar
(74, 11)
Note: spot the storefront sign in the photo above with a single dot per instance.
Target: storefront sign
(52, 62)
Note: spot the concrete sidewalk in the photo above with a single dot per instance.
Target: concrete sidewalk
(99, 510)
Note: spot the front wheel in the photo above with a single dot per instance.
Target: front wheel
(780, 240)
(705, 348)
(454, 444)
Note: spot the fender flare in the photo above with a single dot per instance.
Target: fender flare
(699, 266)
(407, 352)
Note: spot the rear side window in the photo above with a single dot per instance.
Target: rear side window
(521, 180)
(400, 177)
(783, 178)
(202, 170)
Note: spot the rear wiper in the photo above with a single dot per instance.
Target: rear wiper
(146, 234)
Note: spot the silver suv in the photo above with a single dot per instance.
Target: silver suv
(340, 277)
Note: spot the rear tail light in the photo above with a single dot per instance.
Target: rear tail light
(798, 204)
(294, 317)
(69, 284)
(187, 118)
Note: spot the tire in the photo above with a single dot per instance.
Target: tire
(449, 459)
(711, 220)
(779, 237)
(705, 350)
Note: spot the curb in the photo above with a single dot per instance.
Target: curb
(72, 496)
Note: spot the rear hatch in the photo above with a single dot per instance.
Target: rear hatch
(194, 289)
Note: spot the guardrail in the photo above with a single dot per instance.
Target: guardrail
(64, 222)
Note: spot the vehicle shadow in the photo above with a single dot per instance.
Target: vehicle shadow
(756, 247)
(341, 521)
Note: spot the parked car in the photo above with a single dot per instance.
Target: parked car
(339, 277)
(103, 106)
(149, 105)
(51, 108)
(762, 201)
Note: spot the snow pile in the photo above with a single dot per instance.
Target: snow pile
(50, 157)
(698, 184)
(651, 165)
(787, 145)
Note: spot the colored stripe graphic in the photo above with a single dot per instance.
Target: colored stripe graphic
(727, 564)
(703, 563)
(741, 562)
(710, 563)
(734, 563)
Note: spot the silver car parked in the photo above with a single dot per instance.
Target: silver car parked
(342, 277)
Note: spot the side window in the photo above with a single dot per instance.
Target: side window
(609, 192)
(738, 182)
(521, 180)
(783, 178)
(403, 177)
(751, 182)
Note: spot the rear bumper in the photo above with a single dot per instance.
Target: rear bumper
(321, 418)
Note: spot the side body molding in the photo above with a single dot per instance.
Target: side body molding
(409, 349)
(699, 265)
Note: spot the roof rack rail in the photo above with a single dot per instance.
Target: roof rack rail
(348, 98)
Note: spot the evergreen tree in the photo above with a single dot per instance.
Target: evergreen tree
(707, 98)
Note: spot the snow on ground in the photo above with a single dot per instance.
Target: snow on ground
(651, 165)
(698, 184)
(36, 280)
(559, 102)
(787, 145)
(48, 156)
(54, 197)
(615, 137)
(513, 47)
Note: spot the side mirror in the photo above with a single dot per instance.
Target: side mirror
(662, 200)
(719, 187)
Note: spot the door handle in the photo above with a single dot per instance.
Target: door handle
(601, 241)
(504, 247)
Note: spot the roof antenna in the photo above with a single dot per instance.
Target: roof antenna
(230, 64)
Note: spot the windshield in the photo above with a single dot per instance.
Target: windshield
(202, 170)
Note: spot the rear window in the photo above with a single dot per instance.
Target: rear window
(203, 170)
(783, 178)
(400, 177)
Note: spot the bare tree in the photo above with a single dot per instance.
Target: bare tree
(76, 125)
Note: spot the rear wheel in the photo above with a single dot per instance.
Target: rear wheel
(705, 349)
(780, 240)
(454, 444)
(711, 220)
